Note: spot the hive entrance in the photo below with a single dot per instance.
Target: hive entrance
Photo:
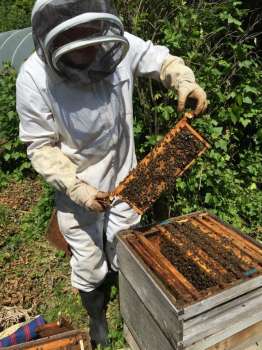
(197, 257)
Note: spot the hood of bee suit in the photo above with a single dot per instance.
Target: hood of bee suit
(81, 40)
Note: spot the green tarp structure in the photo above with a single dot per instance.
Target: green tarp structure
(16, 46)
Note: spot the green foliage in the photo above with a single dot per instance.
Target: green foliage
(115, 320)
(215, 41)
(4, 215)
(64, 302)
(13, 158)
(17, 230)
(15, 14)
(34, 224)
(8, 235)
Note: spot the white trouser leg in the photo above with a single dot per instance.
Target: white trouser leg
(120, 217)
(83, 230)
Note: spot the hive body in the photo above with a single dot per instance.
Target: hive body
(195, 282)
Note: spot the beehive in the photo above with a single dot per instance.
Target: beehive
(195, 282)
(158, 171)
(68, 340)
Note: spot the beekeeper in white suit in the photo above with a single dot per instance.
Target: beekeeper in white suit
(74, 99)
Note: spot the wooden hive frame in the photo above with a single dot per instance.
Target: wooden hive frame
(156, 152)
(69, 340)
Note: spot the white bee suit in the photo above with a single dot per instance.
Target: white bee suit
(92, 124)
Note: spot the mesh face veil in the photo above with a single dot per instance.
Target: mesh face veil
(82, 40)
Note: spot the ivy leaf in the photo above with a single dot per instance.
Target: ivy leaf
(244, 122)
(239, 99)
(8, 146)
(222, 144)
(252, 89)
(216, 132)
(231, 19)
(208, 197)
(137, 128)
(7, 157)
(247, 100)
(253, 186)
(232, 94)
(11, 115)
(245, 64)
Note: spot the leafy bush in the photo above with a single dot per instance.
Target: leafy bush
(15, 14)
(216, 42)
(12, 152)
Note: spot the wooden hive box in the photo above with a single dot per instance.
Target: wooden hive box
(192, 282)
(68, 340)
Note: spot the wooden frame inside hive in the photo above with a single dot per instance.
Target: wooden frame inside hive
(170, 158)
(209, 253)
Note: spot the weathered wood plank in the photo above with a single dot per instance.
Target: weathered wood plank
(248, 339)
(238, 319)
(68, 340)
(221, 297)
(130, 339)
(151, 291)
(139, 321)
(204, 317)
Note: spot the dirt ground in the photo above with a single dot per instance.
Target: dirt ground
(34, 276)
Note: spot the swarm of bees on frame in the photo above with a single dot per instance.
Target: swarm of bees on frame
(165, 163)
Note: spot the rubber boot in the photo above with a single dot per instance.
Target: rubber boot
(94, 302)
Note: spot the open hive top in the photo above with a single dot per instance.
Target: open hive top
(158, 171)
(197, 256)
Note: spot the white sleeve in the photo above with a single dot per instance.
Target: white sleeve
(37, 126)
(146, 58)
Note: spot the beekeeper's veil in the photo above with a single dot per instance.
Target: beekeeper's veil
(79, 39)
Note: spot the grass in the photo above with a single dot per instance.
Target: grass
(4, 215)
(34, 275)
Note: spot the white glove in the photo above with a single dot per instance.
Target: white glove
(175, 74)
(58, 170)
(88, 197)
